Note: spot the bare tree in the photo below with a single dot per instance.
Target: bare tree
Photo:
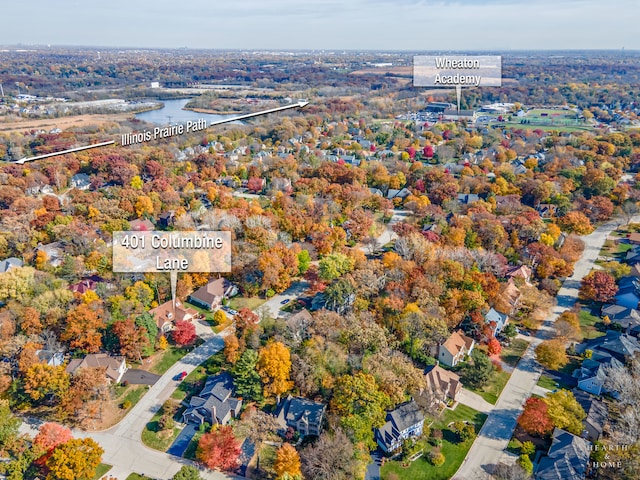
(330, 458)
(502, 471)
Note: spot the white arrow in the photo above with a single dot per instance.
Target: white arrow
(299, 104)
(71, 150)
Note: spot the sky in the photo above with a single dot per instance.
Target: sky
(414, 25)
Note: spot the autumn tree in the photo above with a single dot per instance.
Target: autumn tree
(335, 265)
(187, 472)
(494, 347)
(133, 340)
(49, 436)
(31, 323)
(83, 328)
(567, 326)
(219, 449)
(274, 366)
(565, 412)
(598, 286)
(9, 424)
(259, 427)
(278, 264)
(42, 380)
(184, 332)
(231, 349)
(576, 222)
(219, 317)
(535, 419)
(88, 394)
(287, 461)
(552, 354)
(478, 371)
(76, 459)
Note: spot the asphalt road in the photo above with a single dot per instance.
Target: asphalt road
(488, 448)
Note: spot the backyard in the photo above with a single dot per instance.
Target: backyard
(453, 450)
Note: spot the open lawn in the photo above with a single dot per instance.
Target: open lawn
(547, 382)
(588, 325)
(154, 438)
(453, 451)
(190, 452)
(491, 391)
(251, 303)
(101, 470)
(267, 459)
(171, 355)
(137, 476)
(512, 354)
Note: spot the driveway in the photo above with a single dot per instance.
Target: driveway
(180, 444)
(373, 469)
(135, 376)
(473, 400)
(274, 304)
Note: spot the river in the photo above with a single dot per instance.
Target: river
(173, 112)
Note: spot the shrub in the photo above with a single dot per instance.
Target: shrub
(527, 448)
(436, 458)
(525, 462)
(126, 405)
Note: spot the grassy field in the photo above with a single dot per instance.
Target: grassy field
(588, 325)
(547, 382)
(453, 451)
(133, 393)
(155, 439)
(491, 391)
(512, 354)
(101, 470)
(169, 357)
(249, 302)
(137, 476)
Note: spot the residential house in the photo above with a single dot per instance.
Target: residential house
(81, 181)
(613, 344)
(567, 458)
(281, 184)
(509, 296)
(467, 198)
(627, 318)
(215, 403)
(442, 386)
(628, 292)
(522, 272)
(376, 191)
(9, 263)
(395, 193)
(304, 416)
(210, 295)
(166, 219)
(298, 325)
(597, 414)
(455, 348)
(547, 210)
(141, 225)
(114, 367)
(635, 270)
(592, 374)
(54, 253)
(166, 315)
(51, 358)
(86, 284)
(634, 238)
(405, 422)
(496, 320)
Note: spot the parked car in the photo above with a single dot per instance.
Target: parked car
(285, 301)
(180, 376)
(232, 311)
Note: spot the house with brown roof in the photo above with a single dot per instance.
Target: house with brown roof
(141, 225)
(442, 386)
(210, 295)
(634, 238)
(523, 272)
(457, 346)
(166, 315)
(114, 367)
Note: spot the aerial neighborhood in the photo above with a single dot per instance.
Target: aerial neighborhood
(416, 291)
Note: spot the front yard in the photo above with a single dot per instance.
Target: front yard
(511, 355)
(588, 324)
(493, 388)
(453, 450)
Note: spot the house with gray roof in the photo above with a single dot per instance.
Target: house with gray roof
(612, 344)
(597, 414)
(215, 403)
(627, 318)
(81, 181)
(496, 320)
(592, 374)
(567, 458)
(9, 263)
(304, 416)
(406, 421)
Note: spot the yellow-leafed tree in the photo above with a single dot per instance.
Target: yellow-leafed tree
(287, 462)
(74, 460)
(274, 366)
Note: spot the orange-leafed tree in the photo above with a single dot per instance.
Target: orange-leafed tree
(287, 462)
(598, 286)
(535, 417)
(42, 380)
(231, 349)
(49, 436)
(494, 347)
(274, 366)
(83, 327)
(133, 339)
(219, 449)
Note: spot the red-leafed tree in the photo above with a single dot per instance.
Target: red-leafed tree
(598, 286)
(184, 332)
(219, 449)
(535, 417)
(494, 347)
(49, 436)
(255, 184)
(427, 151)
